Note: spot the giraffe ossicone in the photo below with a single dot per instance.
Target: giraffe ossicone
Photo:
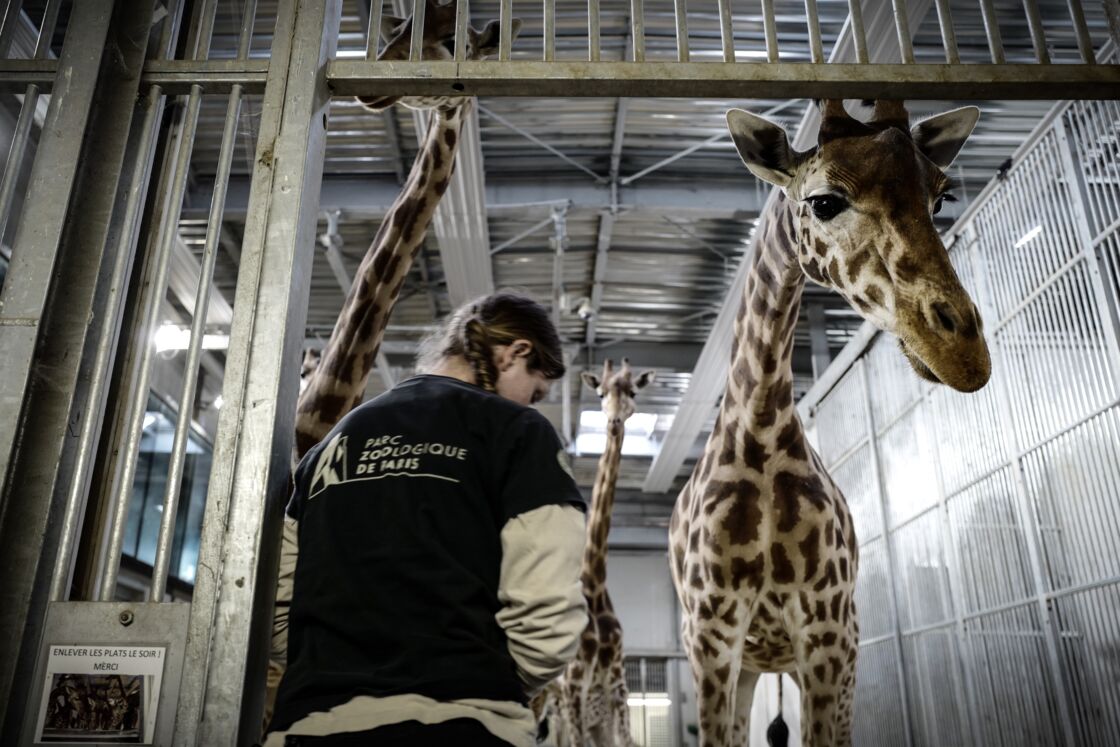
(763, 550)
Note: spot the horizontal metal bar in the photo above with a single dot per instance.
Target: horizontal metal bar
(725, 80)
(16, 75)
(214, 76)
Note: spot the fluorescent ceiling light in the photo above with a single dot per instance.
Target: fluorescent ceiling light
(1028, 236)
(649, 701)
(175, 337)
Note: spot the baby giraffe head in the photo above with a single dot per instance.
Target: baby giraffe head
(616, 389)
(439, 44)
(865, 197)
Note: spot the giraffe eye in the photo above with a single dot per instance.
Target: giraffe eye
(827, 207)
(449, 44)
(944, 197)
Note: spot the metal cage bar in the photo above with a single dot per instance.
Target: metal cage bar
(902, 26)
(373, 29)
(549, 30)
(1038, 34)
(638, 29)
(948, 34)
(770, 28)
(726, 32)
(680, 11)
(593, 43)
(416, 43)
(812, 20)
(505, 16)
(462, 21)
(991, 30)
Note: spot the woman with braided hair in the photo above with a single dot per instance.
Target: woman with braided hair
(439, 534)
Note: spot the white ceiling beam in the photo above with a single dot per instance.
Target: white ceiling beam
(460, 221)
(709, 378)
(369, 197)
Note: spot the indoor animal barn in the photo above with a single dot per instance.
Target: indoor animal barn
(619, 372)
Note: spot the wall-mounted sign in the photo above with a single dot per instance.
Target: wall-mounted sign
(100, 693)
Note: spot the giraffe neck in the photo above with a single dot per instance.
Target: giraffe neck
(599, 518)
(339, 383)
(760, 384)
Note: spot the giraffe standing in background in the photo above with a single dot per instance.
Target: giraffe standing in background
(763, 551)
(337, 385)
(591, 693)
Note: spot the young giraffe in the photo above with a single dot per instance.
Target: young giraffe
(592, 690)
(763, 551)
(337, 385)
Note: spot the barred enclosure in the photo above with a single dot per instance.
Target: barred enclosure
(989, 524)
(999, 557)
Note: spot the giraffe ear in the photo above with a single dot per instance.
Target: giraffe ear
(763, 146)
(645, 377)
(390, 25)
(486, 42)
(591, 380)
(942, 136)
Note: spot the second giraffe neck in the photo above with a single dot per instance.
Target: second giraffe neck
(760, 380)
(602, 503)
(339, 383)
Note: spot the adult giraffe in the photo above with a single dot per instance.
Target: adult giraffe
(337, 385)
(590, 696)
(763, 551)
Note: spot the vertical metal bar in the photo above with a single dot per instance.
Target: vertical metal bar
(991, 29)
(888, 539)
(1032, 538)
(771, 30)
(24, 296)
(816, 52)
(138, 404)
(202, 32)
(1107, 302)
(1038, 35)
(373, 33)
(859, 36)
(8, 25)
(462, 18)
(198, 324)
(948, 34)
(1112, 13)
(16, 152)
(902, 26)
(727, 33)
(46, 29)
(505, 41)
(52, 292)
(222, 691)
(680, 8)
(593, 44)
(637, 29)
(248, 18)
(416, 47)
(549, 30)
(60, 580)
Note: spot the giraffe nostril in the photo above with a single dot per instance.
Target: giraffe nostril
(945, 315)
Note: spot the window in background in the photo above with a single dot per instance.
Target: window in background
(146, 504)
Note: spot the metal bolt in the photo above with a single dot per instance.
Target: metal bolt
(127, 617)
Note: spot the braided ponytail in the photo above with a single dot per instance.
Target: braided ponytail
(476, 328)
(478, 352)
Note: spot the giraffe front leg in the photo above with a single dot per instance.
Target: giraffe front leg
(715, 670)
(744, 699)
(826, 667)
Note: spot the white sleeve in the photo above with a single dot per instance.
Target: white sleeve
(543, 608)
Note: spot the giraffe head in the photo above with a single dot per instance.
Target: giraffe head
(439, 44)
(616, 389)
(864, 198)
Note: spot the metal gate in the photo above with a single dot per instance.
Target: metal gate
(112, 95)
(989, 607)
